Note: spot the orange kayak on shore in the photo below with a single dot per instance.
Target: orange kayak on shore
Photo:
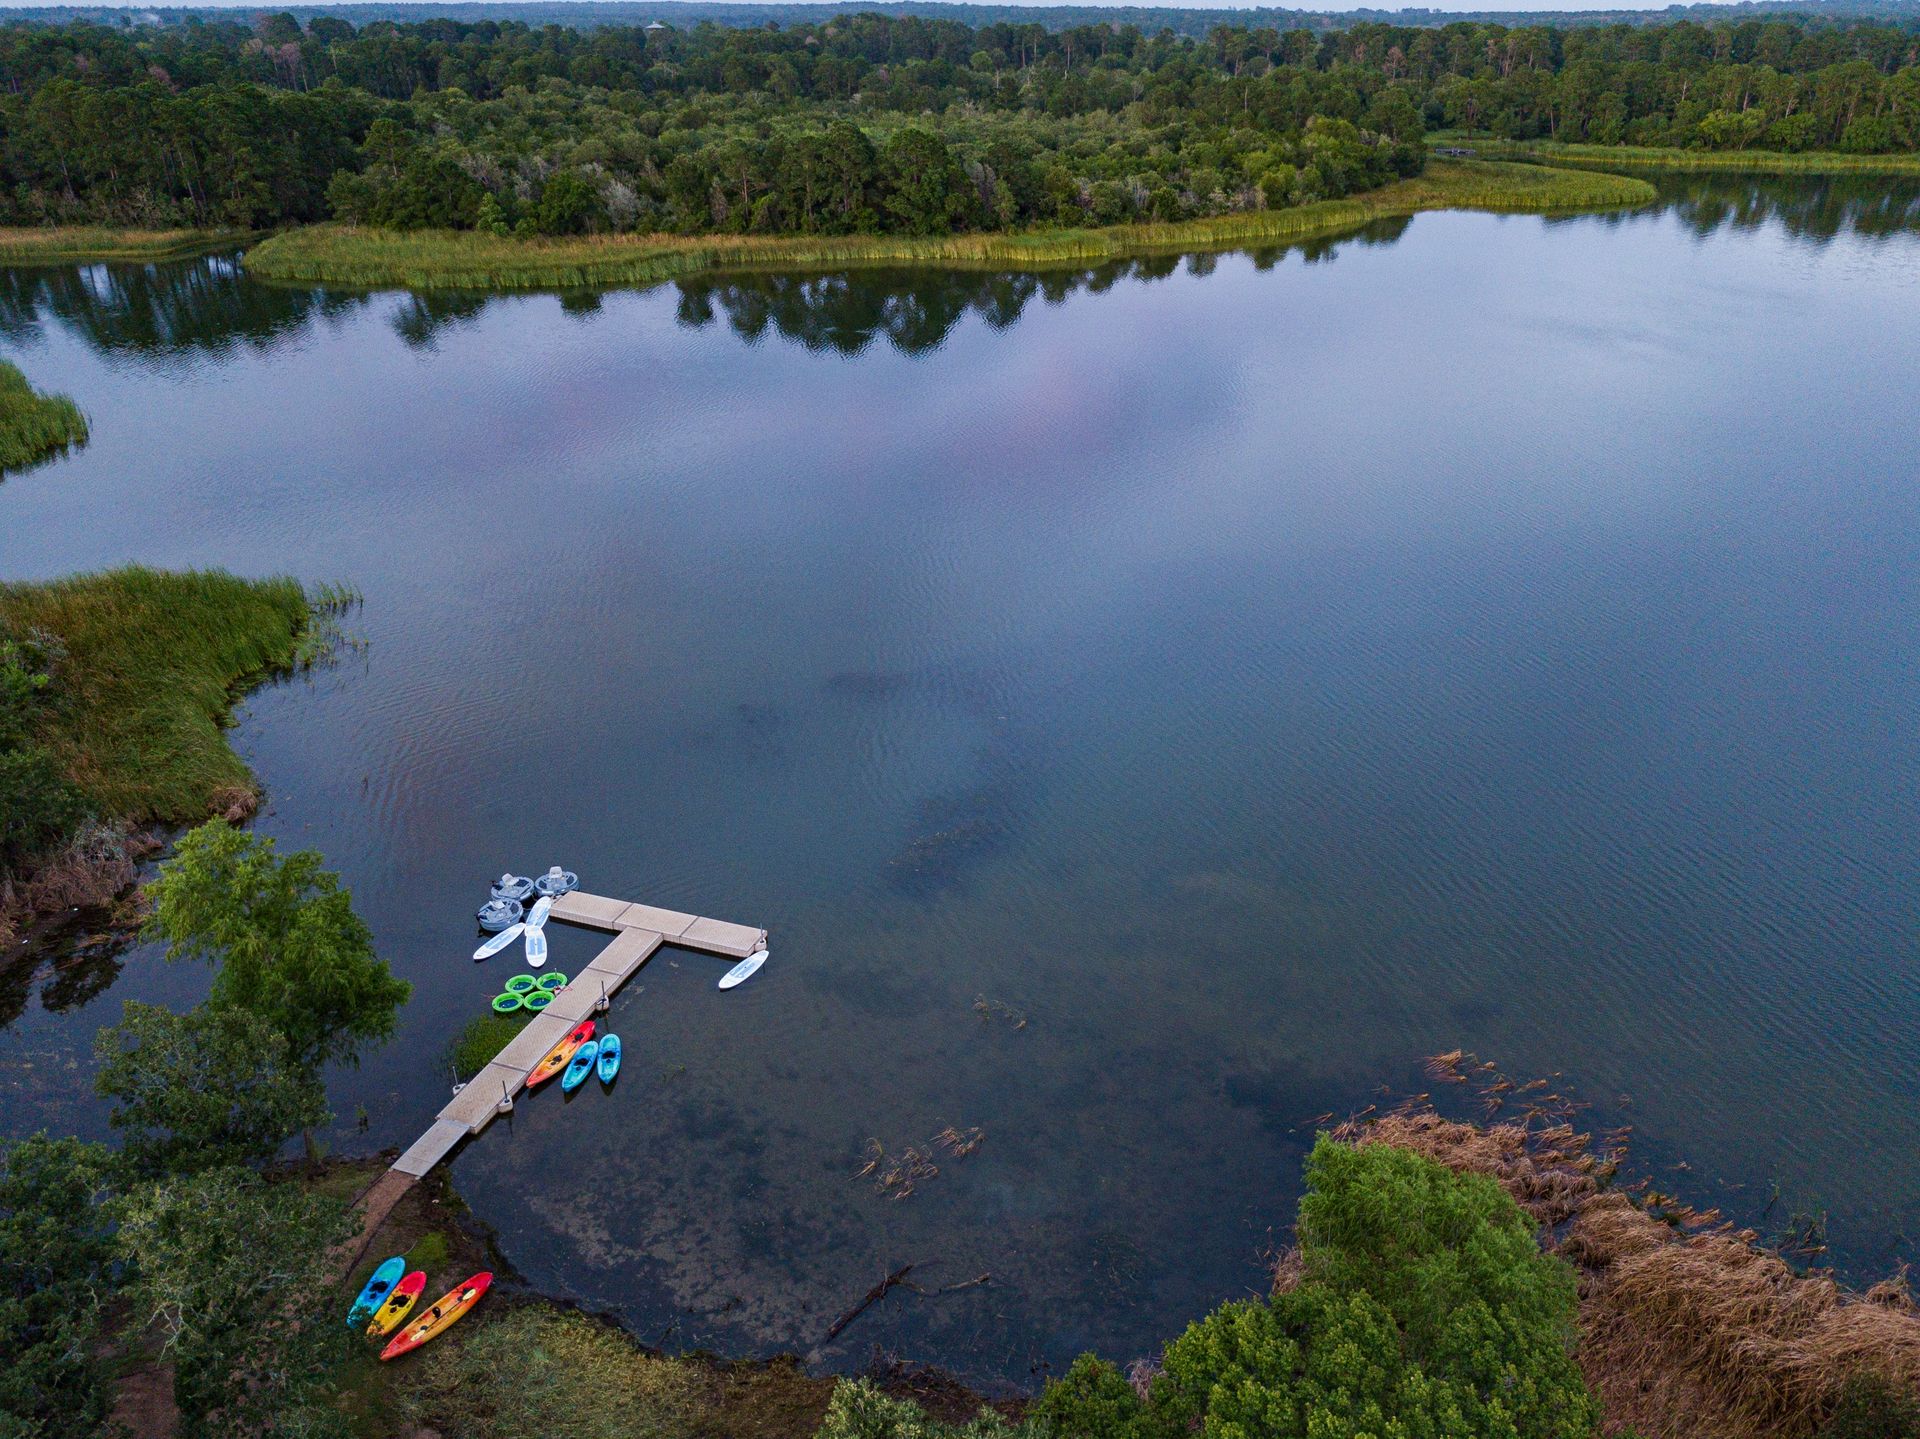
(399, 1303)
(556, 1058)
(441, 1317)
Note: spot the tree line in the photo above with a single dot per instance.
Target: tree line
(866, 123)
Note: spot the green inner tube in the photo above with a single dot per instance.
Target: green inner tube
(506, 1003)
(552, 981)
(520, 984)
(538, 1000)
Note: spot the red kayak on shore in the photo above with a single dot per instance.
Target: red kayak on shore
(446, 1310)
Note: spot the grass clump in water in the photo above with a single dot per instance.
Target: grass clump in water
(426, 259)
(484, 1036)
(34, 427)
(537, 1371)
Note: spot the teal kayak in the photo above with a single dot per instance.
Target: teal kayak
(609, 1057)
(580, 1066)
(379, 1284)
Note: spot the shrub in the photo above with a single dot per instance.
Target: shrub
(56, 1273)
(1872, 1408)
(1424, 1308)
(858, 1410)
(38, 807)
(1092, 1400)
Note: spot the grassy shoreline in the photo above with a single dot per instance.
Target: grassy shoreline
(336, 254)
(1678, 161)
(34, 426)
(66, 244)
(128, 728)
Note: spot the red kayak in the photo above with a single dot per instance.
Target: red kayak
(441, 1317)
(556, 1058)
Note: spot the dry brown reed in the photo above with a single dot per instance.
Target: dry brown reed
(92, 870)
(1689, 1328)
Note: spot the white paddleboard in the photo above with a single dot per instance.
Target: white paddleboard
(537, 916)
(536, 947)
(743, 971)
(499, 942)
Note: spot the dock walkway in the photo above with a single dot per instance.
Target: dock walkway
(638, 930)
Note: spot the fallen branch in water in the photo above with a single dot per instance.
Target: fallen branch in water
(948, 1288)
(873, 1297)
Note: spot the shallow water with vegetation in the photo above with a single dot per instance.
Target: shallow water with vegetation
(1151, 706)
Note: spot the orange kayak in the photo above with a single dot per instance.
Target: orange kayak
(440, 1318)
(556, 1058)
(405, 1294)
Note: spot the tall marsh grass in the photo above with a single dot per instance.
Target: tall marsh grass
(34, 427)
(152, 663)
(1745, 162)
(428, 259)
(66, 244)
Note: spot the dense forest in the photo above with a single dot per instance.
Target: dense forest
(866, 123)
(1195, 21)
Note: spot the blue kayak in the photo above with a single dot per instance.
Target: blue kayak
(580, 1067)
(609, 1057)
(379, 1286)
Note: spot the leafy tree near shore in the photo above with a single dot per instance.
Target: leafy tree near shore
(1424, 1309)
(284, 937)
(237, 1274)
(211, 1088)
(58, 1267)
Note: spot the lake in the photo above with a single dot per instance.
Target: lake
(1150, 707)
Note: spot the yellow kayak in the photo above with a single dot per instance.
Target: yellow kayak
(399, 1303)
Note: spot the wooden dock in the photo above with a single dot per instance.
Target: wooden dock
(638, 930)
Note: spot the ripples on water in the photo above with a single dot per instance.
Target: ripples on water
(1152, 706)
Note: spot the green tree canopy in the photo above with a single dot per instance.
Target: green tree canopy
(283, 936)
(57, 1262)
(1426, 1310)
(213, 1087)
(237, 1273)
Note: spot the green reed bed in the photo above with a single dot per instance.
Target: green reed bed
(145, 670)
(481, 1038)
(1749, 162)
(69, 244)
(427, 259)
(33, 426)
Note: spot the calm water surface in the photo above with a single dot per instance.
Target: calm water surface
(1240, 678)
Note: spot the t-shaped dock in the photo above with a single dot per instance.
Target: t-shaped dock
(638, 930)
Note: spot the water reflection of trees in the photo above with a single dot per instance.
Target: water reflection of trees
(1814, 208)
(205, 305)
(72, 972)
(210, 306)
(916, 310)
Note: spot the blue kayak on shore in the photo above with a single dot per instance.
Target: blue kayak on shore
(379, 1285)
(580, 1066)
(609, 1057)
